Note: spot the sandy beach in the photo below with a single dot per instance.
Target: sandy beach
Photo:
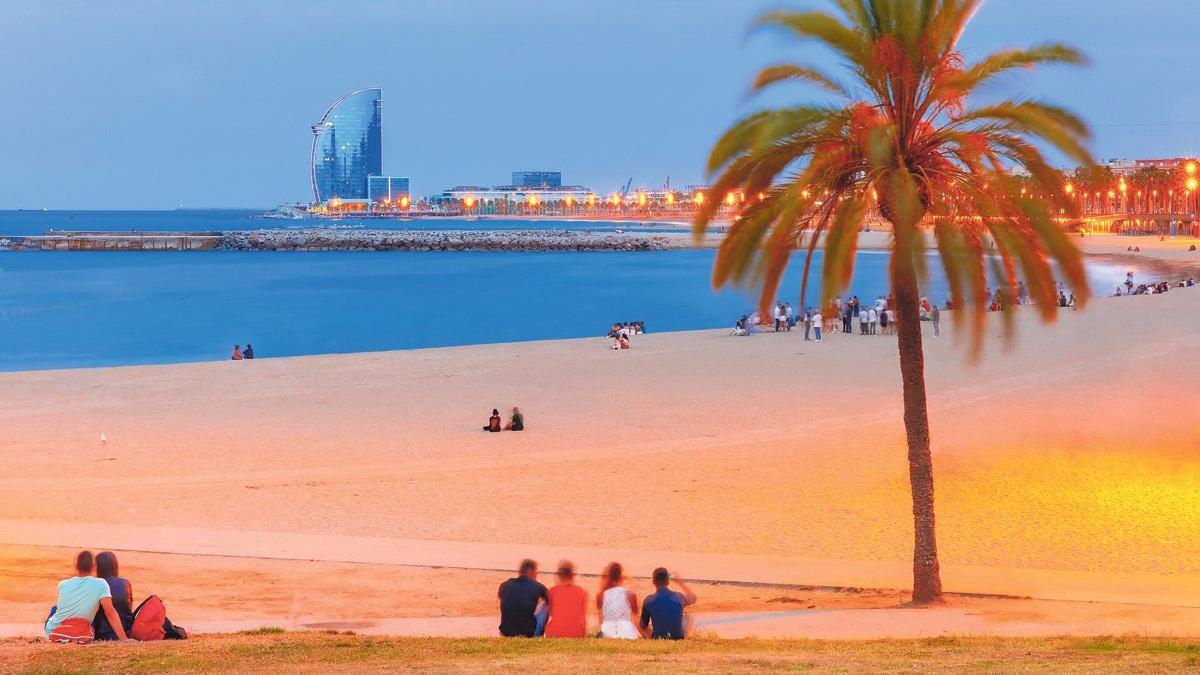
(1070, 451)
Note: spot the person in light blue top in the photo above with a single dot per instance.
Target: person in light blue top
(80, 597)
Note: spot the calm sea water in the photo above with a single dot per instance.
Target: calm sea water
(79, 309)
(38, 222)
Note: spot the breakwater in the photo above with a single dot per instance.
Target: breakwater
(347, 240)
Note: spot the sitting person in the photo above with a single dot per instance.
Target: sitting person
(122, 597)
(662, 611)
(79, 599)
(519, 601)
(624, 342)
(122, 600)
(493, 424)
(517, 423)
(248, 352)
(568, 605)
(237, 353)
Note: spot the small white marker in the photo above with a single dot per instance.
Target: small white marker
(103, 438)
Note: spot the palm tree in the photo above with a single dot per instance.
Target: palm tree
(904, 135)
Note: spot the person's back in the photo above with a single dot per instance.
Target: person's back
(662, 612)
(518, 421)
(519, 598)
(78, 598)
(568, 606)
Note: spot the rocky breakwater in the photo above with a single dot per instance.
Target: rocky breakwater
(430, 240)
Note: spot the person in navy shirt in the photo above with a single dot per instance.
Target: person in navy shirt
(662, 611)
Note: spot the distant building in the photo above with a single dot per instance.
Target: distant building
(537, 179)
(1126, 167)
(386, 189)
(348, 147)
(532, 188)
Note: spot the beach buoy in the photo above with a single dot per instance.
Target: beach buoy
(103, 438)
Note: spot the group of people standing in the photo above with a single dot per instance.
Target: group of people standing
(529, 609)
(878, 318)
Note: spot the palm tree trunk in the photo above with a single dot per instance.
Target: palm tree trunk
(927, 580)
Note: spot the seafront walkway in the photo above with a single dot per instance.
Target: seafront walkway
(1157, 604)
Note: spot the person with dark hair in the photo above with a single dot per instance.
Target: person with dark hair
(568, 605)
(79, 599)
(237, 353)
(617, 605)
(248, 352)
(122, 597)
(493, 424)
(662, 613)
(519, 600)
(108, 569)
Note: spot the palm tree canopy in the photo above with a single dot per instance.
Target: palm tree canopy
(901, 133)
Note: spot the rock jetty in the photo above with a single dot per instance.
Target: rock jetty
(320, 239)
(441, 240)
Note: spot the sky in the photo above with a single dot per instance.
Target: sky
(145, 104)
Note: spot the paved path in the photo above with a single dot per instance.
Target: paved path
(1147, 589)
(839, 624)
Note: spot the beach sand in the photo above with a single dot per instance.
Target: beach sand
(1071, 449)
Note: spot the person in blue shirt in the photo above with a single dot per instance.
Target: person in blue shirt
(662, 611)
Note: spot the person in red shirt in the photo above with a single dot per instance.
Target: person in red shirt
(568, 605)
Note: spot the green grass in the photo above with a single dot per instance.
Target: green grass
(272, 650)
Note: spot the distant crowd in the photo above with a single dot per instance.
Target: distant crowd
(1130, 288)
(529, 609)
(876, 318)
(620, 333)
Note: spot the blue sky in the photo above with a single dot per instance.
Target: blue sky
(149, 104)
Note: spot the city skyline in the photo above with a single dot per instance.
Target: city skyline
(210, 106)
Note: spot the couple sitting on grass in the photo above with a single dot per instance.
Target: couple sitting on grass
(517, 423)
(529, 609)
(77, 617)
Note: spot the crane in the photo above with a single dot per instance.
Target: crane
(625, 190)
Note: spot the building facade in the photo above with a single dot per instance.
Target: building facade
(348, 147)
(386, 189)
(537, 179)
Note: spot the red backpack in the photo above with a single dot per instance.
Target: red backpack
(148, 620)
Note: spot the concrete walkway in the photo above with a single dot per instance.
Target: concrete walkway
(828, 624)
(1146, 589)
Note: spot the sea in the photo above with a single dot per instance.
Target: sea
(92, 309)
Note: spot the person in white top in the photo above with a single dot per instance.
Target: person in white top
(873, 317)
(817, 322)
(617, 605)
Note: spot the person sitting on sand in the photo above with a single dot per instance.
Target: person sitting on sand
(662, 612)
(493, 424)
(237, 353)
(79, 598)
(623, 341)
(617, 605)
(517, 423)
(248, 352)
(519, 600)
(568, 605)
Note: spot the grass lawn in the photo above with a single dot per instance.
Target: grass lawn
(274, 651)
